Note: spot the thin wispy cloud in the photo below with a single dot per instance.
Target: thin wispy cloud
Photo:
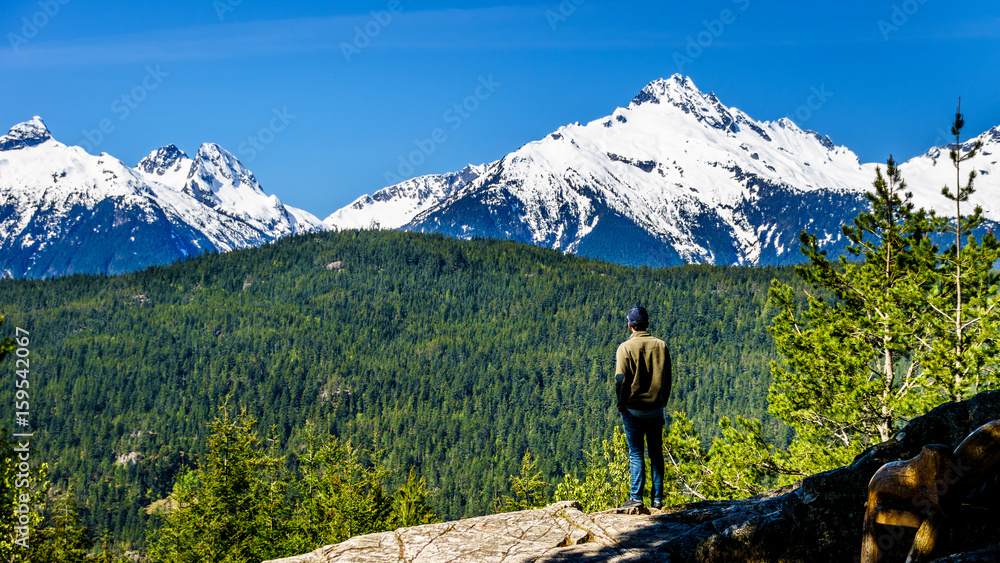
(203, 42)
(514, 27)
(983, 28)
(488, 28)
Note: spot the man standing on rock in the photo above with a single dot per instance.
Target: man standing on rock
(642, 375)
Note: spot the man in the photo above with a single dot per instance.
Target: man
(642, 373)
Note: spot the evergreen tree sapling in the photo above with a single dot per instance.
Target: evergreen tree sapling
(339, 496)
(962, 358)
(605, 480)
(409, 504)
(528, 488)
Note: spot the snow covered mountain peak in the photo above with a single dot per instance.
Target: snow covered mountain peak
(679, 93)
(27, 134)
(677, 88)
(220, 163)
(928, 173)
(163, 160)
(63, 210)
(991, 137)
(217, 176)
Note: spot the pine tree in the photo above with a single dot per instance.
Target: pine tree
(339, 496)
(62, 537)
(962, 358)
(850, 371)
(605, 480)
(409, 504)
(740, 463)
(232, 508)
(528, 488)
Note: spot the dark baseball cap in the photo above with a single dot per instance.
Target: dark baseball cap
(638, 315)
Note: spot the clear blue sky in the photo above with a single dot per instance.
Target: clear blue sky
(332, 122)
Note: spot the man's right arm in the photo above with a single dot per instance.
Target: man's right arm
(622, 388)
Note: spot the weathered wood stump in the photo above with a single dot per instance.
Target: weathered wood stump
(923, 492)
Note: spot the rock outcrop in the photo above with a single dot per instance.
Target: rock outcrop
(817, 519)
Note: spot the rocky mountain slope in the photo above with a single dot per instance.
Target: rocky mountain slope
(64, 211)
(674, 177)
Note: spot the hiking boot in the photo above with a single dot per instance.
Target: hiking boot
(631, 503)
(657, 504)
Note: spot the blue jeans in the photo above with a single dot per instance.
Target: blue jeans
(650, 430)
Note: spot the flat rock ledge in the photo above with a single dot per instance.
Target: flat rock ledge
(553, 533)
(817, 519)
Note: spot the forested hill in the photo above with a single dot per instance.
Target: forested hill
(452, 357)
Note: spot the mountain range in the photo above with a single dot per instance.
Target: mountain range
(674, 177)
(64, 211)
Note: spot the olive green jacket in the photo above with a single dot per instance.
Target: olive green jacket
(642, 365)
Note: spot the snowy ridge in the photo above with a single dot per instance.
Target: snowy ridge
(928, 173)
(676, 164)
(63, 210)
(393, 207)
(674, 177)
